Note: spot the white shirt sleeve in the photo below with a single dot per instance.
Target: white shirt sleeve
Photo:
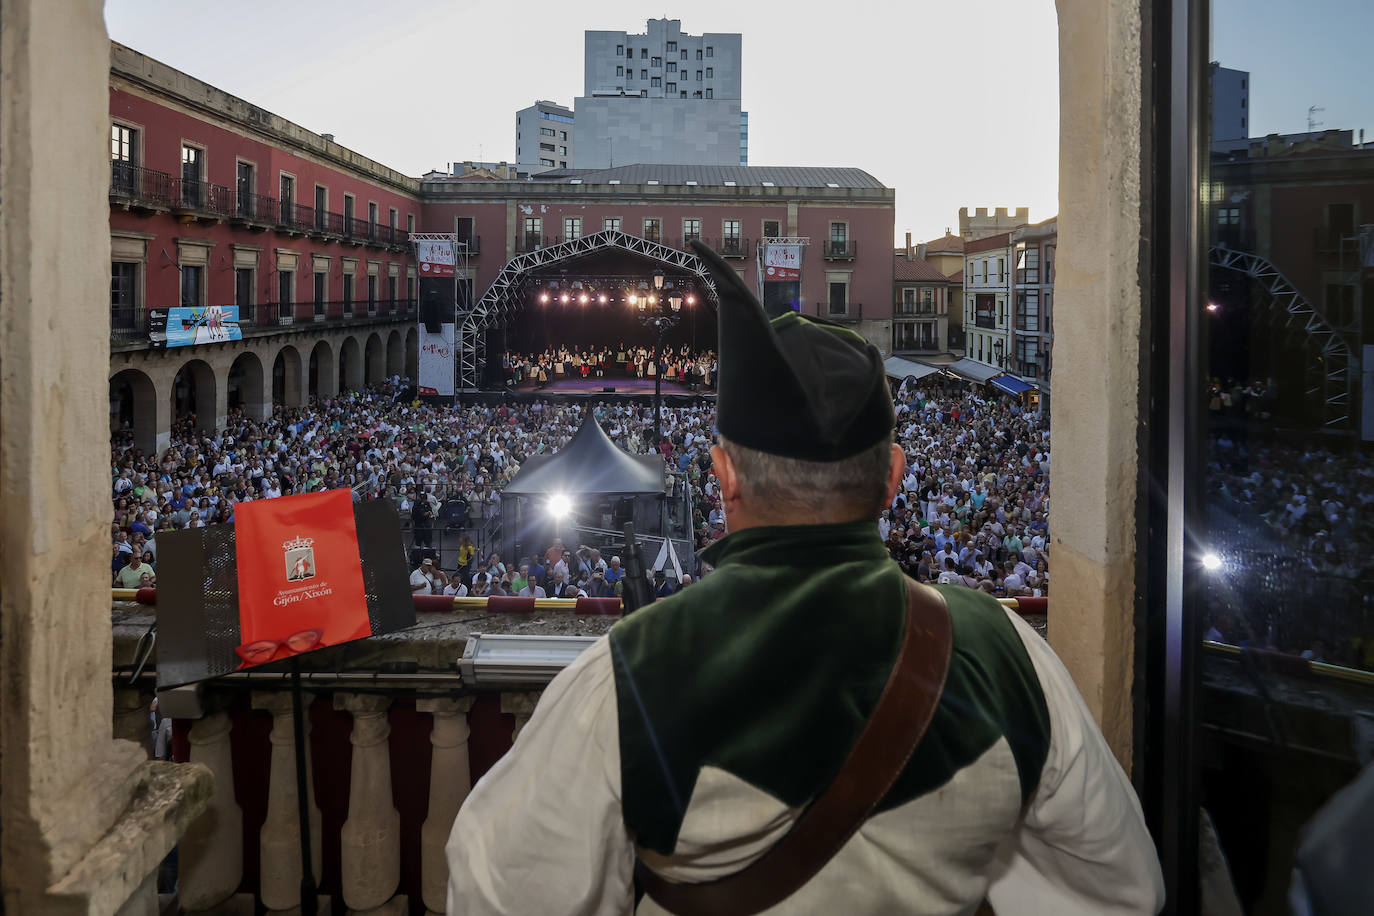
(542, 831)
(1082, 847)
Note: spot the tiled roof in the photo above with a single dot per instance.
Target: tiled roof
(946, 244)
(957, 278)
(915, 270)
(716, 175)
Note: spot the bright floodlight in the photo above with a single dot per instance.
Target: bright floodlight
(1211, 562)
(544, 298)
(1213, 307)
(582, 299)
(559, 505)
(565, 299)
(602, 298)
(691, 300)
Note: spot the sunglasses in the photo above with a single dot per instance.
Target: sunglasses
(263, 650)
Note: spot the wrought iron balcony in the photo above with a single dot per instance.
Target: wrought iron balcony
(134, 186)
(835, 250)
(255, 209)
(201, 199)
(730, 247)
(851, 311)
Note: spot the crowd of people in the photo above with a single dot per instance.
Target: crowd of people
(972, 509)
(680, 363)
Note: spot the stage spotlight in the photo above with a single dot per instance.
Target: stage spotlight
(565, 299)
(544, 298)
(559, 505)
(1211, 562)
(633, 300)
(602, 298)
(691, 300)
(583, 298)
(653, 300)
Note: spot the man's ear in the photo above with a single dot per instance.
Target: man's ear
(725, 474)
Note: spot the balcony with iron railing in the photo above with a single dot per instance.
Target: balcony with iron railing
(134, 186)
(256, 211)
(839, 250)
(134, 326)
(201, 200)
(902, 308)
(849, 311)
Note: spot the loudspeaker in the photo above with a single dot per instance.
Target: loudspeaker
(609, 389)
(432, 314)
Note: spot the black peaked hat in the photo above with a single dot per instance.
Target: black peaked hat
(795, 386)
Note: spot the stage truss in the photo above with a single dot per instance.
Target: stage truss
(505, 297)
(1331, 368)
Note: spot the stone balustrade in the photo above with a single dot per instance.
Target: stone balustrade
(395, 742)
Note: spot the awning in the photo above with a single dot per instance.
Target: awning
(1011, 384)
(898, 368)
(973, 370)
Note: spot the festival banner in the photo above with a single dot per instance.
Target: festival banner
(436, 360)
(213, 324)
(435, 257)
(300, 577)
(782, 262)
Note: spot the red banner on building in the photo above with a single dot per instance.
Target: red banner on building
(782, 262)
(300, 578)
(435, 257)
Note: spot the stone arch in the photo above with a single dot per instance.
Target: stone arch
(412, 354)
(193, 392)
(374, 359)
(246, 386)
(286, 377)
(395, 354)
(323, 380)
(350, 364)
(133, 409)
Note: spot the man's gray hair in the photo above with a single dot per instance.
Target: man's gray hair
(854, 486)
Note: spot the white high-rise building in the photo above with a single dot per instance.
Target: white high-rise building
(543, 137)
(664, 97)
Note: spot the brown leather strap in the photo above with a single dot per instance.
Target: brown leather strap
(902, 715)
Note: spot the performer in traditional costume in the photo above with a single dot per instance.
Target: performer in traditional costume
(747, 743)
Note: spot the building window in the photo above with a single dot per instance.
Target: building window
(546, 147)
(643, 74)
(672, 46)
(562, 164)
(629, 53)
(643, 93)
(321, 206)
(123, 294)
(656, 82)
(547, 132)
(1028, 310)
(839, 238)
(243, 289)
(698, 76)
(347, 292)
(410, 288)
(348, 213)
(683, 94)
(391, 217)
(534, 230)
(371, 216)
(772, 229)
(123, 144)
(684, 53)
(286, 287)
(672, 66)
(321, 291)
(698, 53)
(710, 51)
(611, 224)
(672, 87)
(710, 73)
(245, 186)
(619, 49)
(653, 229)
(691, 229)
(620, 71)
(462, 229)
(192, 172)
(572, 227)
(286, 193)
(656, 63)
(1028, 265)
(730, 237)
(410, 222)
(391, 292)
(631, 74)
(546, 162)
(371, 293)
(643, 53)
(839, 298)
(710, 93)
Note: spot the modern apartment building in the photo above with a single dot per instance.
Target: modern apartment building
(1033, 253)
(1230, 102)
(663, 97)
(987, 295)
(544, 137)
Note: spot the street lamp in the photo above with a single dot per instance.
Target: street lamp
(997, 350)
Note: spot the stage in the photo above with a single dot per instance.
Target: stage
(628, 386)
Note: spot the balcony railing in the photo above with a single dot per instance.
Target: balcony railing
(128, 322)
(1331, 240)
(985, 321)
(202, 198)
(836, 250)
(729, 247)
(256, 208)
(901, 307)
(474, 242)
(532, 241)
(137, 186)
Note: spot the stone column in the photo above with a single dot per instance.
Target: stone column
(211, 856)
(521, 705)
(131, 717)
(371, 837)
(86, 818)
(279, 843)
(450, 779)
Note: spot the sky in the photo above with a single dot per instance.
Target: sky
(1313, 53)
(952, 104)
